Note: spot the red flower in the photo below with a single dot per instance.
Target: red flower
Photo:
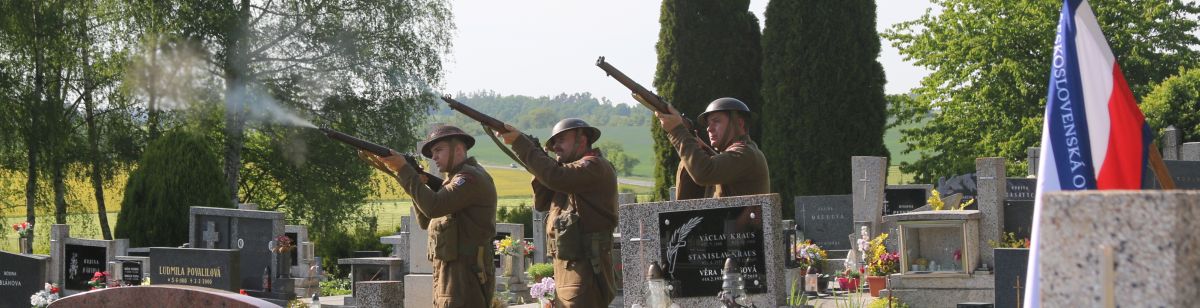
(242, 291)
(54, 290)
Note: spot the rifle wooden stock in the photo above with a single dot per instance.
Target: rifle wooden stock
(488, 121)
(432, 181)
(649, 99)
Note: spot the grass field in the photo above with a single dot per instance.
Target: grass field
(635, 139)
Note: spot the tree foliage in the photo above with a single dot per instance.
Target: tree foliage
(1176, 102)
(989, 62)
(707, 49)
(526, 112)
(621, 160)
(177, 171)
(823, 91)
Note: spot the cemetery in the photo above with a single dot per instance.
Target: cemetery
(852, 154)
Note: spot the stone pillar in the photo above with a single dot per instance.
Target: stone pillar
(991, 186)
(1170, 143)
(58, 237)
(1190, 151)
(1087, 246)
(1033, 156)
(539, 236)
(379, 294)
(868, 179)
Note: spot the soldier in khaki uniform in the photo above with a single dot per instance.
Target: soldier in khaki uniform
(579, 188)
(738, 168)
(460, 217)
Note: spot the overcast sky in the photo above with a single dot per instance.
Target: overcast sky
(547, 47)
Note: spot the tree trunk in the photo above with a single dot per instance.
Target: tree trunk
(152, 113)
(236, 68)
(93, 133)
(31, 141)
(60, 190)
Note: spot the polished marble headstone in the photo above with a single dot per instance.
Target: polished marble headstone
(21, 276)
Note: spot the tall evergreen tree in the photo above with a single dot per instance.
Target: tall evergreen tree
(823, 92)
(707, 49)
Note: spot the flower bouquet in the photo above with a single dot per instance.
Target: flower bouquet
(811, 256)
(99, 280)
(283, 244)
(43, 298)
(24, 229)
(543, 292)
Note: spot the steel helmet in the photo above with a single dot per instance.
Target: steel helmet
(442, 132)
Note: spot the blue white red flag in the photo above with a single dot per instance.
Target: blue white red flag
(1094, 136)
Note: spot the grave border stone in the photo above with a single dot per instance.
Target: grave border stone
(641, 246)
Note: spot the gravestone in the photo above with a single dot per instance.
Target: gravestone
(517, 232)
(539, 236)
(74, 261)
(695, 236)
(992, 189)
(899, 199)
(1011, 264)
(132, 273)
(210, 268)
(251, 232)
(1085, 254)
(826, 220)
(21, 276)
(1190, 151)
(1033, 157)
(1018, 206)
(868, 179)
(1185, 173)
(1170, 143)
(418, 247)
(966, 184)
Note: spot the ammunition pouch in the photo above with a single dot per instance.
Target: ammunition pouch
(443, 240)
(568, 236)
(606, 283)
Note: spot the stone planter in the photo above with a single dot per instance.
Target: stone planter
(876, 283)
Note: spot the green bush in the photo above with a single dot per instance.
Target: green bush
(342, 244)
(336, 286)
(177, 171)
(538, 271)
(521, 214)
(887, 302)
(1176, 101)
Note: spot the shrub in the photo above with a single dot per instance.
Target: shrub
(177, 171)
(541, 270)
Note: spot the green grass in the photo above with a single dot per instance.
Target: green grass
(635, 139)
(891, 140)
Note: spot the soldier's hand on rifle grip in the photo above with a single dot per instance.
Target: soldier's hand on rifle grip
(510, 136)
(669, 120)
(390, 164)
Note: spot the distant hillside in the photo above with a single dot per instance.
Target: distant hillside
(527, 112)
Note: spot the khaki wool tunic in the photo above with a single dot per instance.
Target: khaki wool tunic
(461, 219)
(587, 186)
(738, 170)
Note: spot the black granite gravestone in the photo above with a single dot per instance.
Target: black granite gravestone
(131, 272)
(826, 220)
(20, 277)
(1010, 276)
(902, 200)
(81, 264)
(695, 244)
(1185, 172)
(247, 230)
(210, 268)
(1018, 206)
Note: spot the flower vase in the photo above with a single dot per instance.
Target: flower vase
(509, 261)
(545, 303)
(876, 284)
(26, 244)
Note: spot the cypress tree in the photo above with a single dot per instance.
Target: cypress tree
(177, 171)
(707, 49)
(823, 92)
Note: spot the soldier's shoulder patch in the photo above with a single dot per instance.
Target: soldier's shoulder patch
(461, 178)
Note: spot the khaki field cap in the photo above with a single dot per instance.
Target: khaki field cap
(442, 132)
(725, 104)
(573, 123)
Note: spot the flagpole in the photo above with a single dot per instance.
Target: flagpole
(1165, 181)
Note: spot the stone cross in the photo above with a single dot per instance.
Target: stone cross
(1170, 143)
(210, 235)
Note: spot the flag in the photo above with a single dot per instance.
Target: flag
(1093, 136)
